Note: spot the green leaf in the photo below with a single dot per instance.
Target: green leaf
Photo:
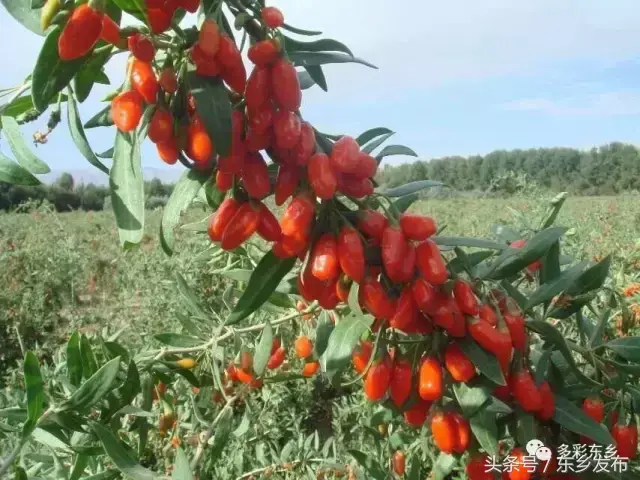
(47, 438)
(549, 290)
(443, 466)
(223, 432)
(323, 333)
(286, 286)
(300, 31)
(89, 364)
(51, 74)
(95, 388)
(120, 456)
(467, 242)
(189, 298)
(181, 470)
(317, 75)
(34, 386)
(181, 197)
(132, 7)
(626, 347)
(127, 188)
(19, 106)
(576, 304)
(178, 340)
(78, 136)
(263, 350)
(551, 334)
(74, 360)
(305, 59)
(108, 153)
(550, 265)
(572, 418)
(324, 45)
(391, 150)
(243, 428)
(554, 209)
(21, 151)
(372, 145)
(412, 187)
(101, 119)
(90, 72)
(512, 260)
(213, 105)
(344, 338)
(592, 278)
(305, 79)
(21, 11)
(11, 172)
(414, 469)
(526, 427)
(265, 279)
(371, 466)
(470, 398)
(403, 203)
(485, 429)
(473, 259)
(372, 133)
(78, 467)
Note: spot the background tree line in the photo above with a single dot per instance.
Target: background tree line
(604, 170)
(66, 196)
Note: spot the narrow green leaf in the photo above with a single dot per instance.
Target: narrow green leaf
(317, 75)
(626, 347)
(373, 144)
(243, 428)
(343, 340)
(181, 197)
(286, 286)
(484, 361)
(323, 333)
(576, 304)
(106, 154)
(11, 172)
(467, 242)
(90, 73)
(592, 278)
(371, 466)
(526, 427)
(47, 438)
(100, 119)
(74, 360)
(414, 469)
(127, 188)
(22, 153)
(554, 209)
(223, 432)
(263, 350)
(305, 59)
(403, 203)
(21, 11)
(95, 388)
(79, 466)
(323, 45)
(572, 418)
(443, 466)
(305, 80)
(265, 279)
(391, 150)
(34, 386)
(181, 470)
(485, 429)
(19, 106)
(470, 398)
(550, 266)
(549, 290)
(189, 298)
(213, 105)
(120, 456)
(551, 334)
(78, 136)
(300, 31)
(372, 133)
(178, 340)
(89, 363)
(51, 74)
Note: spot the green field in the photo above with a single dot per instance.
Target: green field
(63, 271)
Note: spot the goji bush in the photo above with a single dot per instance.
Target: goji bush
(468, 348)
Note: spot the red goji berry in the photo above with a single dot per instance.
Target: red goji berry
(343, 287)
(168, 80)
(144, 81)
(233, 72)
(376, 382)
(594, 408)
(626, 437)
(190, 6)
(393, 252)
(159, 19)
(321, 178)
(199, 147)
(518, 467)
(367, 166)
(548, 402)
(425, 295)
(478, 467)
(286, 129)
(285, 85)
(398, 462)
(298, 215)
(430, 384)
(160, 126)
(463, 433)
(110, 32)
(168, 151)
(515, 324)
(272, 17)
(268, 227)
(219, 221)
(310, 369)
(141, 47)
(324, 258)
(264, 52)
(417, 227)
(374, 299)
(408, 269)
(458, 364)
(243, 224)
(255, 176)
(345, 154)
(417, 414)
(209, 38)
(224, 181)
(286, 182)
(400, 385)
(430, 263)
(126, 110)
(351, 253)
(353, 186)
(276, 359)
(361, 355)
(258, 91)
(328, 298)
(372, 223)
(444, 431)
(488, 315)
(525, 391)
(81, 33)
(302, 152)
(465, 298)
(303, 347)
(406, 311)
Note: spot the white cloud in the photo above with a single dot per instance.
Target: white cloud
(605, 104)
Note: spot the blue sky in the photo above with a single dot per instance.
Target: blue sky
(456, 77)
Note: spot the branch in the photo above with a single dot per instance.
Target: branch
(207, 435)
